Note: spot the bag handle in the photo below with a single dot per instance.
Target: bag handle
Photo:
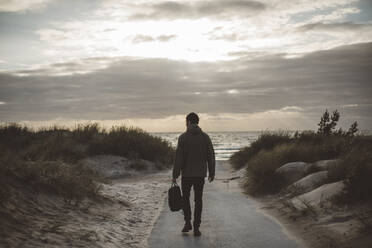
(174, 184)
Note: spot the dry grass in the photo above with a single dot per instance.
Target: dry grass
(48, 159)
(266, 141)
(356, 171)
(261, 161)
(73, 182)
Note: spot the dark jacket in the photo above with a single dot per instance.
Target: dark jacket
(194, 154)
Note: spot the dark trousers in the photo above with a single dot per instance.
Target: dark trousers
(198, 184)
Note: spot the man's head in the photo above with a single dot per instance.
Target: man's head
(192, 118)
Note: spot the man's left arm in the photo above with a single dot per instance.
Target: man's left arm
(211, 160)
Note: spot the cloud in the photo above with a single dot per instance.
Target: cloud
(197, 9)
(335, 15)
(203, 30)
(22, 5)
(84, 66)
(140, 38)
(233, 91)
(308, 6)
(226, 37)
(135, 88)
(338, 27)
(166, 38)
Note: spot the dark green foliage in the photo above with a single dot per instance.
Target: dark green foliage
(273, 150)
(261, 179)
(260, 170)
(353, 129)
(327, 125)
(266, 141)
(355, 169)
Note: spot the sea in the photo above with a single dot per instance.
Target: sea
(224, 143)
(227, 143)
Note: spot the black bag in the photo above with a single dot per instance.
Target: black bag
(175, 201)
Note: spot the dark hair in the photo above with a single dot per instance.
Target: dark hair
(192, 118)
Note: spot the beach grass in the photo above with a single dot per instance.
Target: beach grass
(48, 159)
(261, 160)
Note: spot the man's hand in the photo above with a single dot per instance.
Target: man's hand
(174, 180)
(210, 178)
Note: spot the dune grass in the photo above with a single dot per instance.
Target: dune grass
(48, 159)
(262, 159)
(266, 141)
(355, 169)
(57, 143)
(73, 182)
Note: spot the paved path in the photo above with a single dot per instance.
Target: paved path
(229, 220)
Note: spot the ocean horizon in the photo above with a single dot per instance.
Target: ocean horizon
(224, 143)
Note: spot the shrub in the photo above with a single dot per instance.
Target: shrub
(133, 143)
(260, 176)
(310, 147)
(54, 147)
(48, 159)
(57, 143)
(356, 171)
(327, 125)
(266, 141)
(85, 133)
(71, 181)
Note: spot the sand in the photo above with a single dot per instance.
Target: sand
(332, 227)
(123, 218)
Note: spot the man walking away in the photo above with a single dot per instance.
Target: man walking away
(194, 156)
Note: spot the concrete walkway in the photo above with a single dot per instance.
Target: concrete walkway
(229, 220)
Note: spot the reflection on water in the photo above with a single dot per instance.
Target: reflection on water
(225, 143)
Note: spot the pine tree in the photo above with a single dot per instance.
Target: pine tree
(353, 129)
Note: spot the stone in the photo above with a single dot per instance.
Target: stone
(310, 182)
(293, 171)
(319, 196)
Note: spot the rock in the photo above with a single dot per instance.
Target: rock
(294, 171)
(310, 182)
(325, 164)
(318, 196)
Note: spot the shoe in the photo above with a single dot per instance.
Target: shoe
(197, 231)
(187, 227)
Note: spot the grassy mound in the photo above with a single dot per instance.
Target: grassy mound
(48, 159)
(57, 143)
(355, 170)
(266, 141)
(73, 182)
(306, 147)
(263, 158)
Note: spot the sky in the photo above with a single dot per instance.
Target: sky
(241, 65)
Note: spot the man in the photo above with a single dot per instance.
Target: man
(194, 156)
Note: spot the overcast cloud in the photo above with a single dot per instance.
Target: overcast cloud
(244, 65)
(158, 88)
(197, 9)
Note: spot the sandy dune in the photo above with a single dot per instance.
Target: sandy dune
(124, 219)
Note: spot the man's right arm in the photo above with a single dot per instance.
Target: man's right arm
(178, 161)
